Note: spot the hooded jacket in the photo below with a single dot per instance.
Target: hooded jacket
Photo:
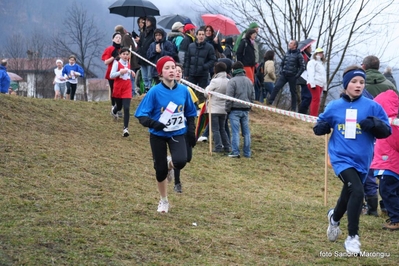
(167, 49)
(377, 82)
(386, 151)
(146, 38)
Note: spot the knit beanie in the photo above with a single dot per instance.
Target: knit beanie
(161, 62)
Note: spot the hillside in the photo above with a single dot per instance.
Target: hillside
(75, 192)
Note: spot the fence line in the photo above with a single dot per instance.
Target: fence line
(303, 117)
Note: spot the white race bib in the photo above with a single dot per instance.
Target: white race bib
(175, 122)
(350, 123)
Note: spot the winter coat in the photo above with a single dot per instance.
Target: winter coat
(218, 84)
(246, 53)
(269, 71)
(292, 64)
(228, 49)
(146, 38)
(188, 39)
(391, 79)
(198, 59)
(106, 55)
(176, 37)
(386, 151)
(4, 80)
(377, 83)
(217, 46)
(306, 58)
(241, 88)
(167, 48)
(317, 74)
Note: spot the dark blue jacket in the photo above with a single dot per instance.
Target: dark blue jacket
(167, 48)
(293, 64)
(198, 59)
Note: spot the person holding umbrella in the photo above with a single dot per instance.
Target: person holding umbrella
(5, 80)
(146, 38)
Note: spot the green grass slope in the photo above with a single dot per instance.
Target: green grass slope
(75, 192)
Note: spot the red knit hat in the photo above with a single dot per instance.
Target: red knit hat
(161, 61)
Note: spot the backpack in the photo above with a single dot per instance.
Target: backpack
(260, 72)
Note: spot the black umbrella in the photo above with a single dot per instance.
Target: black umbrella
(134, 8)
(168, 20)
(302, 45)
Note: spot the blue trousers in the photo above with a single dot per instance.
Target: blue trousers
(240, 119)
(389, 191)
(306, 99)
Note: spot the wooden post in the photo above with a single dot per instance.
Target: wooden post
(325, 168)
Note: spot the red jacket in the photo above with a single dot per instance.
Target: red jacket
(386, 151)
(106, 55)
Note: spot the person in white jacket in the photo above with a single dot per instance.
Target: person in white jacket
(317, 79)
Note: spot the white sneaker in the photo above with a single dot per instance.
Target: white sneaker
(163, 206)
(112, 113)
(352, 244)
(125, 132)
(333, 231)
(202, 139)
(171, 170)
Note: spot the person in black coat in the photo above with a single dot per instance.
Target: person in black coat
(292, 66)
(146, 38)
(246, 54)
(199, 57)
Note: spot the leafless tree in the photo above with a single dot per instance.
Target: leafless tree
(14, 48)
(339, 26)
(81, 37)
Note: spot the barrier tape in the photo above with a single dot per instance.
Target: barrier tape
(303, 117)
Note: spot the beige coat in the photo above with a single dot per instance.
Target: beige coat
(217, 84)
(270, 72)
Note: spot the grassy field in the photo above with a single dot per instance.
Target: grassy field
(75, 192)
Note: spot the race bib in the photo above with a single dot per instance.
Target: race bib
(350, 123)
(175, 122)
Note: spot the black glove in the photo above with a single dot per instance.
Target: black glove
(367, 124)
(321, 128)
(192, 140)
(158, 126)
(115, 53)
(376, 127)
(151, 123)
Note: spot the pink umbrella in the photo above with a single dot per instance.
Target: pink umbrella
(225, 25)
(14, 77)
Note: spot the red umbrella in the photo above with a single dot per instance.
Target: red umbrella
(225, 25)
(302, 45)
